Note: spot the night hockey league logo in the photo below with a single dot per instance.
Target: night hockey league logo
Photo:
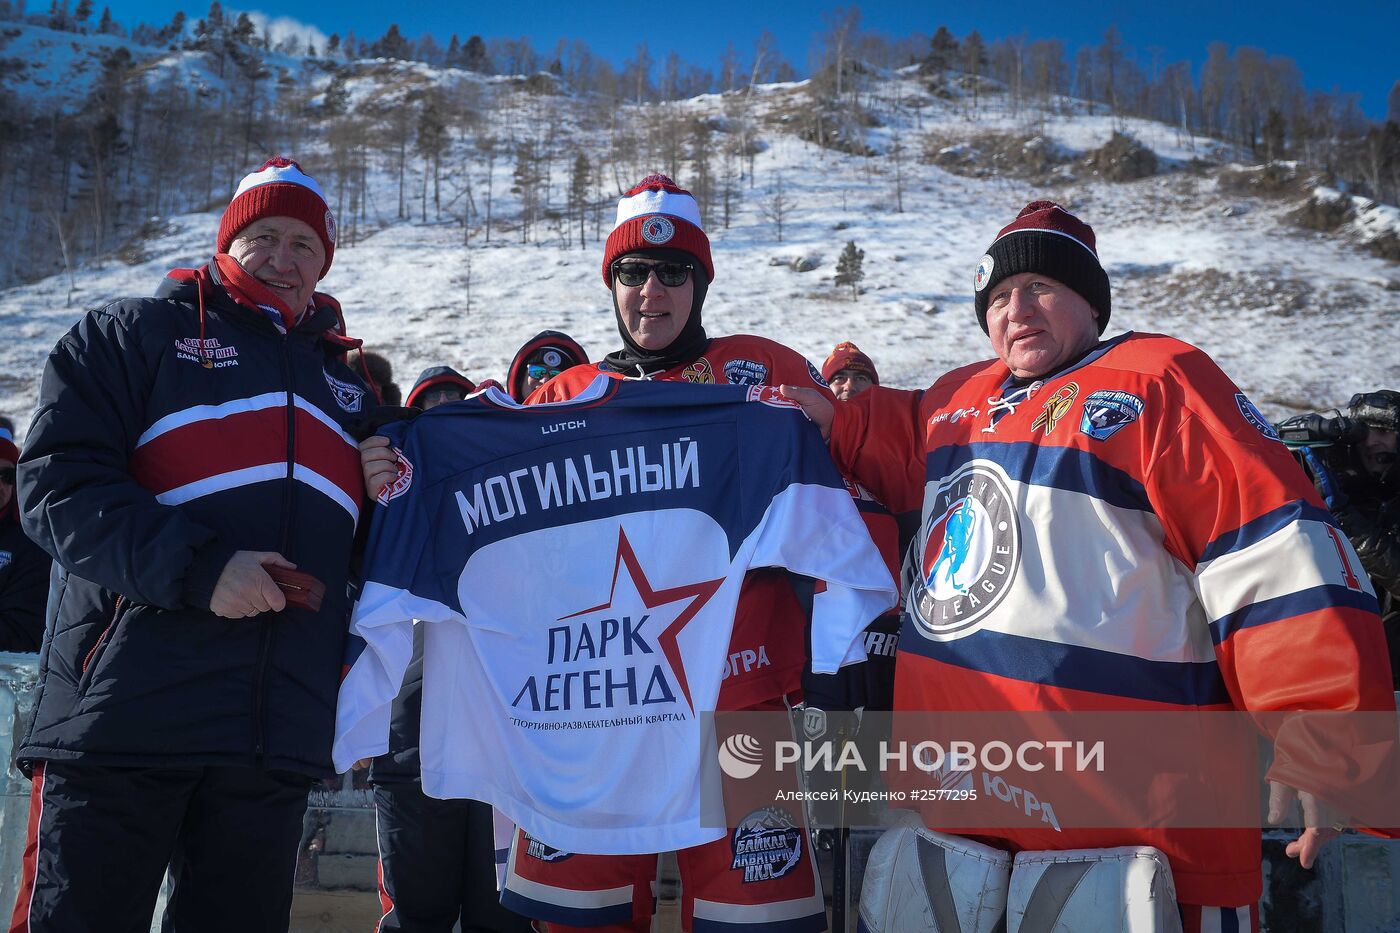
(970, 548)
(1255, 417)
(1108, 411)
(745, 373)
(767, 844)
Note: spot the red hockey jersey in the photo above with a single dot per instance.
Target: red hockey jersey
(1127, 534)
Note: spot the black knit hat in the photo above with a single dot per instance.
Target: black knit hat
(1045, 238)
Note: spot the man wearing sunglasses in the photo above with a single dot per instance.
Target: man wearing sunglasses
(438, 385)
(658, 267)
(543, 356)
(24, 567)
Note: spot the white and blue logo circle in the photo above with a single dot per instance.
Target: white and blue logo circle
(969, 551)
(984, 272)
(1255, 417)
(657, 229)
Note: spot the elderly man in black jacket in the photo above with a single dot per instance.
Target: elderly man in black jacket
(186, 451)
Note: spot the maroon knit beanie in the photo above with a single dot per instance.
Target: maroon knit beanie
(279, 188)
(1048, 239)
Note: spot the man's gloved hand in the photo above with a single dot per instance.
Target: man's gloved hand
(1325, 480)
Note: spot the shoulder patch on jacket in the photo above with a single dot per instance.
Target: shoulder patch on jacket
(348, 396)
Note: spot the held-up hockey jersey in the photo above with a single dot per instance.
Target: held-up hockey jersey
(1126, 534)
(578, 566)
(766, 655)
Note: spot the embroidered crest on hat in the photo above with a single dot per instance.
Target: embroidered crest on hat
(552, 357)
(984, 272)
(330, 225)
(657, 230)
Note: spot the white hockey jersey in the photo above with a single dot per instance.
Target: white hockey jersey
(578, 564)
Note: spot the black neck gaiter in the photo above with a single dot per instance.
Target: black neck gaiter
(634, 359)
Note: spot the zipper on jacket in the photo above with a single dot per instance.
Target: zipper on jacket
(116, 614)
(284, 537)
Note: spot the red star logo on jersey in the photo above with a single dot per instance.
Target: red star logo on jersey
(695, 595)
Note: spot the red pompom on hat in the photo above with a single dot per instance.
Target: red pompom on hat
(279, 188)
(1048, 239)
(849, 356)
(657, 214)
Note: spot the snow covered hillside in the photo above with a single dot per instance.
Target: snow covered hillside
(1300, 319)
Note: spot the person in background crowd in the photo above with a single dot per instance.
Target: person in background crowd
(1154, 463)
(187, 451)
(849, 372)
(543, 357)
(437, 385)
(1363, 492)
(658, 267)
(378, 372)
(24, 567)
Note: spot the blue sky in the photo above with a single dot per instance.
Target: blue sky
(1351, 45)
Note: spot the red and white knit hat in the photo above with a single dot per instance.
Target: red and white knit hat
(279, 188)
(657, 214)
(1047, 239)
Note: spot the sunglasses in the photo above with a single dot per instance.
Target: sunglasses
(444, 395)
(634, 274)
(541, 371)
(7, 475)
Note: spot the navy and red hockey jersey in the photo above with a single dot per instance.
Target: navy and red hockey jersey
(579, 564)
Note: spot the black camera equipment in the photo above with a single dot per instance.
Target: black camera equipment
(1321, 430)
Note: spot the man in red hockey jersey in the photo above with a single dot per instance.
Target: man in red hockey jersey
(1212, 560)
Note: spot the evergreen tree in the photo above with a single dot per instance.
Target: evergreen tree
(82, 14)
(580, 180)
(243, 30)
(453, 58)
(474, 56)
(393, 45)
(176, 30)
(849, 269)
(943, 51)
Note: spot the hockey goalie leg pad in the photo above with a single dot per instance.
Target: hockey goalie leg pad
(1123, 890)
(920, 880)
